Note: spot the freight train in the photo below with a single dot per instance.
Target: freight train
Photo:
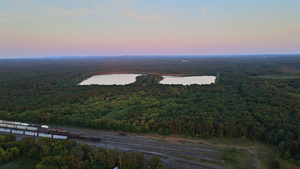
(32, 133)
(40, 131)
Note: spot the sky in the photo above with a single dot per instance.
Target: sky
(51, 28)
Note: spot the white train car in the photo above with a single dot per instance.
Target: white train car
(45, 135)
(22, 127)
(16, 123)
(5, 130)
(32, 128)
(11, 126)
(60, 137)
(17, 132)
(44, 126)
(30, 133)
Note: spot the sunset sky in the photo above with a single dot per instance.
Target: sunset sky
(46, 28)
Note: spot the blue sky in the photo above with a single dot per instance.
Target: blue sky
(34, 28)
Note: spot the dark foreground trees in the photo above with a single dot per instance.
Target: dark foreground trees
(63, 154)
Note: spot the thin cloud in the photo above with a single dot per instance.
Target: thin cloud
(143, 18)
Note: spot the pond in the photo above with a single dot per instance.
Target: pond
(188, 80)
(111, 79)
(124, 79)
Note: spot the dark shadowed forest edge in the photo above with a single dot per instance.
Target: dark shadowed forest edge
(254, 98)
(46, 153)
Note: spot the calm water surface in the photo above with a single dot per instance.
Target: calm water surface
(188, 80)
(124, 79)
(111, 79)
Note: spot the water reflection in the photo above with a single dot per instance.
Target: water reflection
(188, 80)
(111, 79)
(124, 79)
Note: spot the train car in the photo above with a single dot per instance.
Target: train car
(58, 133)
(24, 124)
(17, 132)
(51, 130)
(6, 122)
(75, 136)
(35, 125)
(32, 128)
(57, 130)
(11, 126)
(3, 125)
(45, 135)
(30, 133)
(22, 127)
(16, 123)
(1, 121)
(83, 137)
(59, 137)
(5, 130)
(62, 131)
(44, 126)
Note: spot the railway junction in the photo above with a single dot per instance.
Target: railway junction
(172, 155)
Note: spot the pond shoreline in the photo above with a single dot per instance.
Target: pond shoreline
(132, 72)
(126, 77)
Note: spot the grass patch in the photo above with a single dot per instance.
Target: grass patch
(231, 156)
(20, 163)
(225, 144)
(235, 158)
(264, 151)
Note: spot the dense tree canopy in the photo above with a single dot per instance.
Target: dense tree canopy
(254, 97)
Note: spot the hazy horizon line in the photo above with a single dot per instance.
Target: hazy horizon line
(105, 56)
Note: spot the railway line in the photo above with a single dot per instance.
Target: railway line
(173, 149)
(172, 155)
(171, 161)
(168, 152)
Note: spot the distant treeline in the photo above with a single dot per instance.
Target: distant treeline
(254, 97)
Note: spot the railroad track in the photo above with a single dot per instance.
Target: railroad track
(168, 152)
(137, 143)
(170, 161)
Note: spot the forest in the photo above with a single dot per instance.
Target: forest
(254, 97)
